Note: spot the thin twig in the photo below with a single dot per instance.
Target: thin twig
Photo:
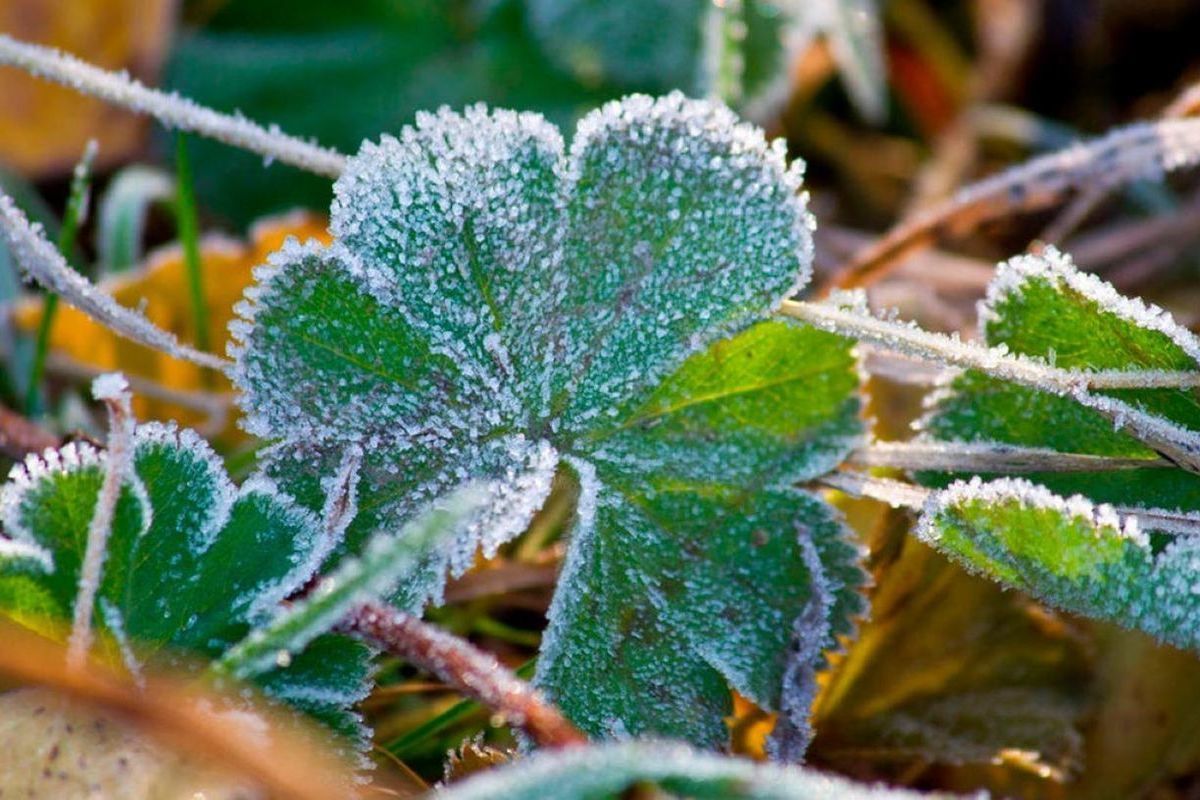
(1179, 445)
(989, 457)
(899, 494)
(114, 393)
(470, 671)
(939, 347)
(1130, 153)
(44, 264)
(170, 109)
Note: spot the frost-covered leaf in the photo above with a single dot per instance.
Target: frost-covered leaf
(1043, 307)
(192, 563)
(493, 303)
(386, 560)
(651, 603)
(601, 772)
(1075, 555)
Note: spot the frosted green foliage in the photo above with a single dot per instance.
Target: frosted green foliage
(660, 44)
(1081, 557)
(386, 561)
(193, 562)
(1043, 307)
(494, 304)
(612, 771)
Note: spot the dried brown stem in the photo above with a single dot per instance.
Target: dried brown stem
(1126, 154)
(471, 671)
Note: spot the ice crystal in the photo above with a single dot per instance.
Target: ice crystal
(494, 303)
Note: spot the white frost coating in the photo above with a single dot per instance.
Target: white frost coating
(1103, 517)
(513, 500)
(110, 386)
(171, 110)
(11, 550)
(114, 392)
(1125, 580)
(793, 732)
(988, 457)
(211, 517)
(909, 339)
(341, 504)
(899, 494)
(605, 770)
(570, 581)
(1059, 270)
(262, 599)
(115, 622)
(42, 262)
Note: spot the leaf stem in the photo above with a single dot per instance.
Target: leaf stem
(73, 217)
(900, 494)
(170, 109)
(43, 263)
(114, 393)
(989, 457)
(473, 672)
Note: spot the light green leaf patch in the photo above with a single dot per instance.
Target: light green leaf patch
(607, 772)
(1080, 557)
(193, 562)
(1042, 307)
(496, 304)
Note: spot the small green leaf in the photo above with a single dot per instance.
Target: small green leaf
(1075, 555)
(193, 562)
(607, 772)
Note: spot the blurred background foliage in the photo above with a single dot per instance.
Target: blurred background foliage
(952, 683)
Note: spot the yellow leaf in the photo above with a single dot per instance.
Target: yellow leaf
(160, 288)
(44, 127)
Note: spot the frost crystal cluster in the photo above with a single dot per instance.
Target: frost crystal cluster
(499, 308)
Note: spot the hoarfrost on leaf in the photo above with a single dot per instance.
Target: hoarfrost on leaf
(192, 562)
(1074, 554)
(496, 304)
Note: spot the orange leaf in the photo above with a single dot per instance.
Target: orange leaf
(44, 127)
(160, 287)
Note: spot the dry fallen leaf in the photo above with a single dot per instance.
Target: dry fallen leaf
(44, 127)
(160, 286)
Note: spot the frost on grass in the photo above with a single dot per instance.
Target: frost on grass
(495, 303)
(606, 771)
(1042, 307)
(1081, 557)
(192, 562)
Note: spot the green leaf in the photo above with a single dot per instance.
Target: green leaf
(1042, 307)
(611, 771)
(345, 72)
(494, 303)
(386, 561)
(193, 562)
(1075, 555)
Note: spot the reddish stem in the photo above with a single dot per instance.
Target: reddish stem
(469, 670)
